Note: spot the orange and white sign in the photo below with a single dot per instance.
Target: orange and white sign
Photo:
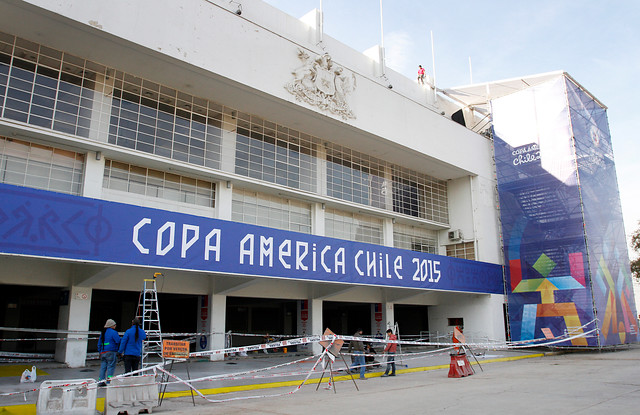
(175, 349)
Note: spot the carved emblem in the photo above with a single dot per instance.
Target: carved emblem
(322, 83)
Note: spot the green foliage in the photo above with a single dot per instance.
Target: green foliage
(635, 244)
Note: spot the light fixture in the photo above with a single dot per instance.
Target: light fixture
(238, 8)
(98, 155)
(228, 184)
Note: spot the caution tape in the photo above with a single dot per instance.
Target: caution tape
(253, 374)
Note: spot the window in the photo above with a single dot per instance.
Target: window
(276, 154)
(464, 250)
(415, 238)
(40, 167)
(353, 227)
(155, 183)
(53, 89)
(275, 212)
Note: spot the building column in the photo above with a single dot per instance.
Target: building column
(315, 313)
(378, 322)
(74, 316)
(218, 314)
(93, 175)
(387, 316)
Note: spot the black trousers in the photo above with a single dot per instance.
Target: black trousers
(131, 363)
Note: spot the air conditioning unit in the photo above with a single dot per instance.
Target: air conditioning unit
(455, 235)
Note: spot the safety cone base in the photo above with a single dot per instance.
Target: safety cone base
(459, 366)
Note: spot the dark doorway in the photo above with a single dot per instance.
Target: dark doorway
(411, 319)
(346, 318)
(260, 316)
(33, 308)
(178, 312)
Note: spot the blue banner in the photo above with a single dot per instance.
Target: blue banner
(46, 224)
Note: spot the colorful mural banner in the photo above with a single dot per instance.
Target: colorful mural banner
(560, 214)
(47, 224)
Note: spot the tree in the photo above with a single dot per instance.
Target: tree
(635, 244)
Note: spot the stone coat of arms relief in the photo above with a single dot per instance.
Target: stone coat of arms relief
(322, 83)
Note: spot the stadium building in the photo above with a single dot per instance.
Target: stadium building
(283, 183)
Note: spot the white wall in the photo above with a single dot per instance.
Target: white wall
(197, 33)
(482, 314)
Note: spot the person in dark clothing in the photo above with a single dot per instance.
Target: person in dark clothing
(108, 344)
(358, 354)
(131, 346)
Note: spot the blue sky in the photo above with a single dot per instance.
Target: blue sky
(596, 41)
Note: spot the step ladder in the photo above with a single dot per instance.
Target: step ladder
(149, 314)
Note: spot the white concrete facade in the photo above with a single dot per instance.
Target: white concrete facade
(203, 48)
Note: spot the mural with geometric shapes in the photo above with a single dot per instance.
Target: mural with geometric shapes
(567, 265)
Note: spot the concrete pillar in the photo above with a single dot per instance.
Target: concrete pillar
(387, 316)
(378, 322)
(315, 314)
(317, 219)
(224, 200)
(304, 323)
(218, 312)
(93, 175)
(387, 232)
(74, 316)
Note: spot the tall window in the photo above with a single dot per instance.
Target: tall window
(276, 154)
(45, 87)
(156, 183)
(353, 227)
(40, 167)
(355, 177)
(159, 120)
(275, 212)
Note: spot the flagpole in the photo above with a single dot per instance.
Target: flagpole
(433, 64)
(382, 54)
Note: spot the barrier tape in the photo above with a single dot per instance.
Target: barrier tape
(310, 339)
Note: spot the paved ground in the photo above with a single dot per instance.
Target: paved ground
(524, 382)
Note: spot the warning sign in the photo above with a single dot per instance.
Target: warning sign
(337, 344)
(175, 349)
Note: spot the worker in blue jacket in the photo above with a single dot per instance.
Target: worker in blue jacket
(131, 346)
(108, 345)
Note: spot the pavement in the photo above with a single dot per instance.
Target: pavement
(505, 382)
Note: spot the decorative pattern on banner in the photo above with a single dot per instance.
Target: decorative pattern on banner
(558, 222)
(41, 223)
(606, 241)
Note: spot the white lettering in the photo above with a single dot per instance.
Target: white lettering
(371, 263)
(215, 248)
(416, 275)
(397, 265)
(266, 250)
(172, 232)
(356, 265)
(187, 244)
(301, 255)
(324, 251)
(284, 250)
(136, 230)
(340, 261)
(244, 251)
